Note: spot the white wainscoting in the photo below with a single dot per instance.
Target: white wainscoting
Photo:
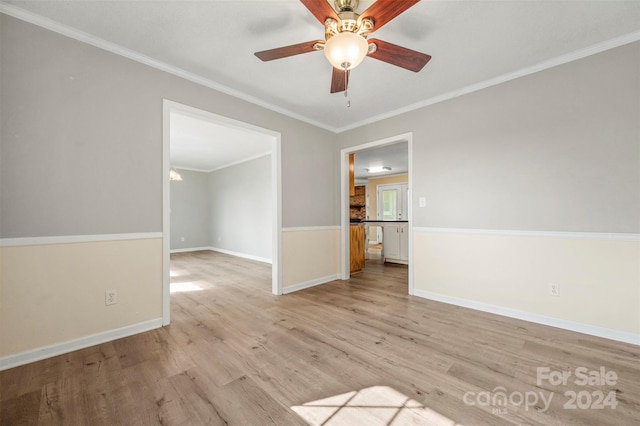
(509, 272)
(311, 256)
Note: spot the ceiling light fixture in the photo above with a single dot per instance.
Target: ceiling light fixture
(345, 41)
(346, 50)
(174, 175)
(378, 169)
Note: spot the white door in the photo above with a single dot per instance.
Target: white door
(388, 204)
(392, 203)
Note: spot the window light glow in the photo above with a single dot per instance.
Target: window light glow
(184, 287)
(377, 405)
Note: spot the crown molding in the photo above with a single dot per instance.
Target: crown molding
(75, 34)
(65, 30)
(244, 160)
(541, 66)
(224, 166)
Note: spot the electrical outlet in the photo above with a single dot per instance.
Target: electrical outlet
(554, 289)
(110, 297)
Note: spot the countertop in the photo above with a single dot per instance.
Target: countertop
(385, 221)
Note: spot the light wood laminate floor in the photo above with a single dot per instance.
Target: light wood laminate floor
(350, 352)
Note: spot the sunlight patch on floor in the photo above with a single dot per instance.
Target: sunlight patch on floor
(377, 405)
(183, 287)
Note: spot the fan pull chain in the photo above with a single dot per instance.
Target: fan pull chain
(346, 81)
(346, 86)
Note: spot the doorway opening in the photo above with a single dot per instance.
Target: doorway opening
(345, 201)
(270, 159)
(392, 210)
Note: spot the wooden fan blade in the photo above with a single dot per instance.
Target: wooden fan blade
(382, 11)
(398, 55)
(339, 80)
(283, 52)
(321, 10)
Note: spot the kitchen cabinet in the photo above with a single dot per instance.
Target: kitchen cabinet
(356, 248)
(395, 242)
(352, 178)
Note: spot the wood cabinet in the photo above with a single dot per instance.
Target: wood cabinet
(352, 179)
(356, 248)
(395, 242)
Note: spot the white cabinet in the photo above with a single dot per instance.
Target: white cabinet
(395, 243)
(404, 243)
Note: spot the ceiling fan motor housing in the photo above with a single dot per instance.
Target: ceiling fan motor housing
(346, 5)
(348, 21)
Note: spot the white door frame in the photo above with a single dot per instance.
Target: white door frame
(276, 188)
(344, 199)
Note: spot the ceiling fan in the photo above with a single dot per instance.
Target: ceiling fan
(345, 44)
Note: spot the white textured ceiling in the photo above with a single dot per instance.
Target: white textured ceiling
(471, 42)
(394, 156)
(205, 145)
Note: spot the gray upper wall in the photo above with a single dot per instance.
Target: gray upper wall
(228, 209)
(558, 150)
(190, 211)
(241, 208)
(81, 140)
(81, 145)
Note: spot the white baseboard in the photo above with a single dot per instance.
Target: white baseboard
(224, 251)
(593, 330)
(190, 249)
(243, 255)
(44, 352)
(312, 283)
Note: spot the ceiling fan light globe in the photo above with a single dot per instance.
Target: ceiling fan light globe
(346, 50)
